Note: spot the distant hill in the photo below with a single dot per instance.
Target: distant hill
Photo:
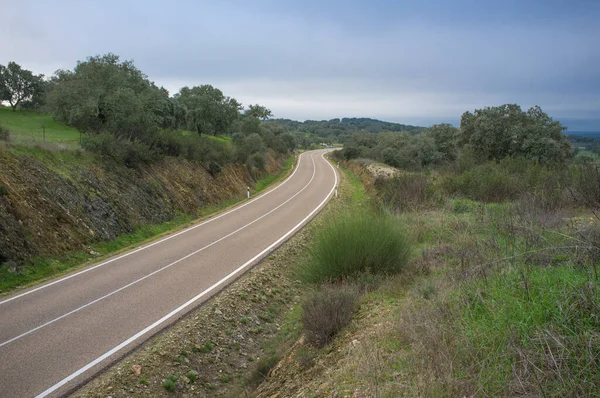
(345, 126)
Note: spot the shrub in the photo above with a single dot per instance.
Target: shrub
(406, 191)
(489, 182)
(129, 152)
(258, 161)
(326, 312)
(4, 134)
(585, 180)
(356, 244)
(3, 189)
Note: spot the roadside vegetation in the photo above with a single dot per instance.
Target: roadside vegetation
(500, 294)
(84, 158)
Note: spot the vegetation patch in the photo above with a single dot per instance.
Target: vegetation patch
(326, 312)
(356, 244)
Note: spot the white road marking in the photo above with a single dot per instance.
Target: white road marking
(187, 303)
(161, 269)
(153, 243)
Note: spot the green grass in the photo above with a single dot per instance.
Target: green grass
(356, 244)
(514, 312)
(27, 127)
(359, 193)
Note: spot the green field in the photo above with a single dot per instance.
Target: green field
(34, 127)
(27, 127)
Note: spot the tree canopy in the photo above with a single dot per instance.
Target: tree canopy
(20, 86)
(103, 94)
(496, 132)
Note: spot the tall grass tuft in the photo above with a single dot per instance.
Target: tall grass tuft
(354, 245)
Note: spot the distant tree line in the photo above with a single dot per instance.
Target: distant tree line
(339, 130)
(489, 134)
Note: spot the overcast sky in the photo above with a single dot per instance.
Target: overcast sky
(415, 62)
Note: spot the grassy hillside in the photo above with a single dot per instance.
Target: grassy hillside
(28, 127)
(500, 298)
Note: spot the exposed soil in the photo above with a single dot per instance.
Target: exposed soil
(51, 204)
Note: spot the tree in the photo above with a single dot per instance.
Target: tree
(258, 111)
(444, 137)
(209, 110)
(19, 85)
(496, 132)
(103, 94)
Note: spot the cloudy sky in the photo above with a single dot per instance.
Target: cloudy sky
(416, 62)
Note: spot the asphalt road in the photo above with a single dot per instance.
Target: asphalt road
(55, 336)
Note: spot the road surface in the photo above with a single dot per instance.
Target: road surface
(56, 335)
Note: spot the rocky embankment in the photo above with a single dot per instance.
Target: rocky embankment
(52, 203)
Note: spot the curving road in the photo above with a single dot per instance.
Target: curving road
(59, 334)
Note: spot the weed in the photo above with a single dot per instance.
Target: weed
(262, 370)
(244, 320)
(192, 376)
(225, 379)
(144, 381)
(326, 312)
(204, 348)
(169, 384)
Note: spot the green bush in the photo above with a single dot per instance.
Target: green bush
(326, 312)
(258, 161)
(129, 152)
(356, 244)
(489, 182)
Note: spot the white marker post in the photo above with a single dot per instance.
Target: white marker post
(248, 192)
(336, 193)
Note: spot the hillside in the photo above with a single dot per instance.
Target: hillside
(61, 205)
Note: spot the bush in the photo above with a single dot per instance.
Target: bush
(258, 161)
(129, 152)
(585, 180)
(406, 192)
(489, 182)
(326, 312)
(356, 244)
(4, 134)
